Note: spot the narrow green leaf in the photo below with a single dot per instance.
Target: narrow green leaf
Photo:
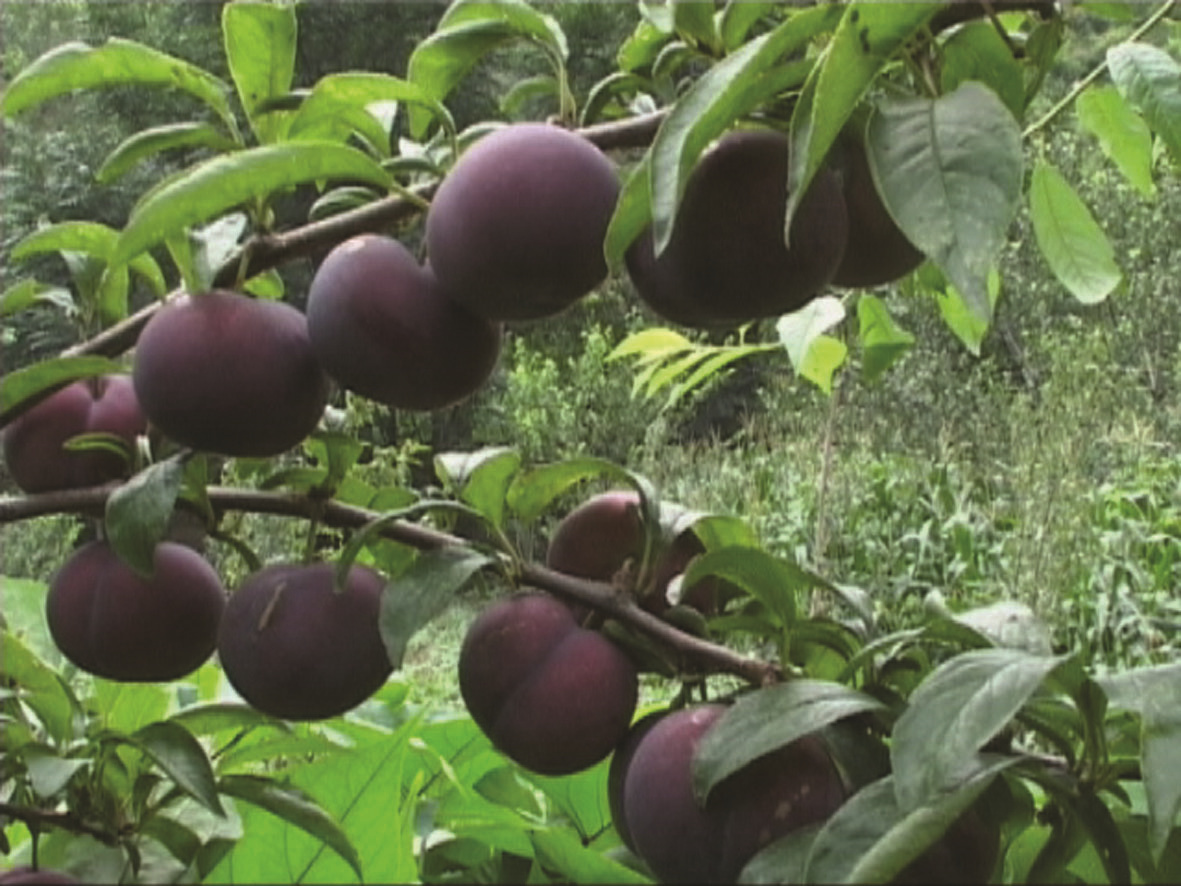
(1070, 240)
(961, 319)
(764, 721)
(731, 88)
(976, 51)
(138, 512)
(259, 41)
(867, 37)
(19, 385)
(562, 850)
(216, 186)
(737, 18)
(1123, 135)
(421, 592)
(531, 492)
(482, 478)
(214, 717)
(882, 342)
(88, 238)
(954, 712)
(117, 62)
(1150, 79)
(28, 292)
(774, 581)
(515, 102)
(615, 85)
(292, 805)
(951, 171)
(43, 690)
(674, 367)
(694, 20)
(150, 142)
(717, 361)
(641, 47)
(176, 751)
(651, 342)
(633, 211)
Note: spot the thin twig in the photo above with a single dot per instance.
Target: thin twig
(67, 821)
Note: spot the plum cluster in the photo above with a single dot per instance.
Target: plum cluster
(681, 840)
(727, 261)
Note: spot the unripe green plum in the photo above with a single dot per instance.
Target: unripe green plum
(229, 374)
(516, 229)
(381, 326)
(113, 623)
(296, 648)
(726, 261)
(34, 442)
(550, 695)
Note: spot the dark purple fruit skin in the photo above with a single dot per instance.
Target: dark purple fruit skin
(617, 772)
(381, 326)
(33, 443)
(967, 853)
(516, 229)
(683, 842)
(726, 261)
(229, 374)
(595, 540)
(295, 649)
(876, 251)
(26, 875)
(112, 623)
(550, 695)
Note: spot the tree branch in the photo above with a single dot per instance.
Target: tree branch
(65, 820)
(713, 657)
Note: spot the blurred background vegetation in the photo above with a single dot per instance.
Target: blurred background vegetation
(1045, 471)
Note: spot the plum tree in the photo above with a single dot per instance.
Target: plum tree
(726, 261)
(876, 252)
(685, 842)
(381, 326)
(111, 622)
(34, 443)
(516, 229)
(230, 374)
(551, 695)
(295, 647)
(597, 538)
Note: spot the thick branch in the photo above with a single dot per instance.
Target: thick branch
(712, 657)
(65, 820)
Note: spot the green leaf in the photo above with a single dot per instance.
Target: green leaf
(964, 322)
(730, 89)
(117, 62)
(784, 860)
(562, 850)
(614, 85)
(761, 722)
(954, 712)
(882, 342)
(49, 773)
(43, 690)
(515, 102)
(642, 46)
(872, 838)
(259, 40)
(18, 386)
(174, 749)
(652, 343)
(950, 169)
(813, 355)
(88, 238)
(421, 592)
(28, 292)
(868, 36)
(218, 716)
(1150, 79)
(482, 478)
(633, 211)
(1123, 135)
(125, 707)
(292, 805)
(24, 616)
(737, 18)
(218, 185)
(137, 513)
(531, 492)
(694, 20)
(150, 142)
(975, 51)
(717, 360)
(1155, 694)
(468, 31)
(772, 580)
(1071, 241)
